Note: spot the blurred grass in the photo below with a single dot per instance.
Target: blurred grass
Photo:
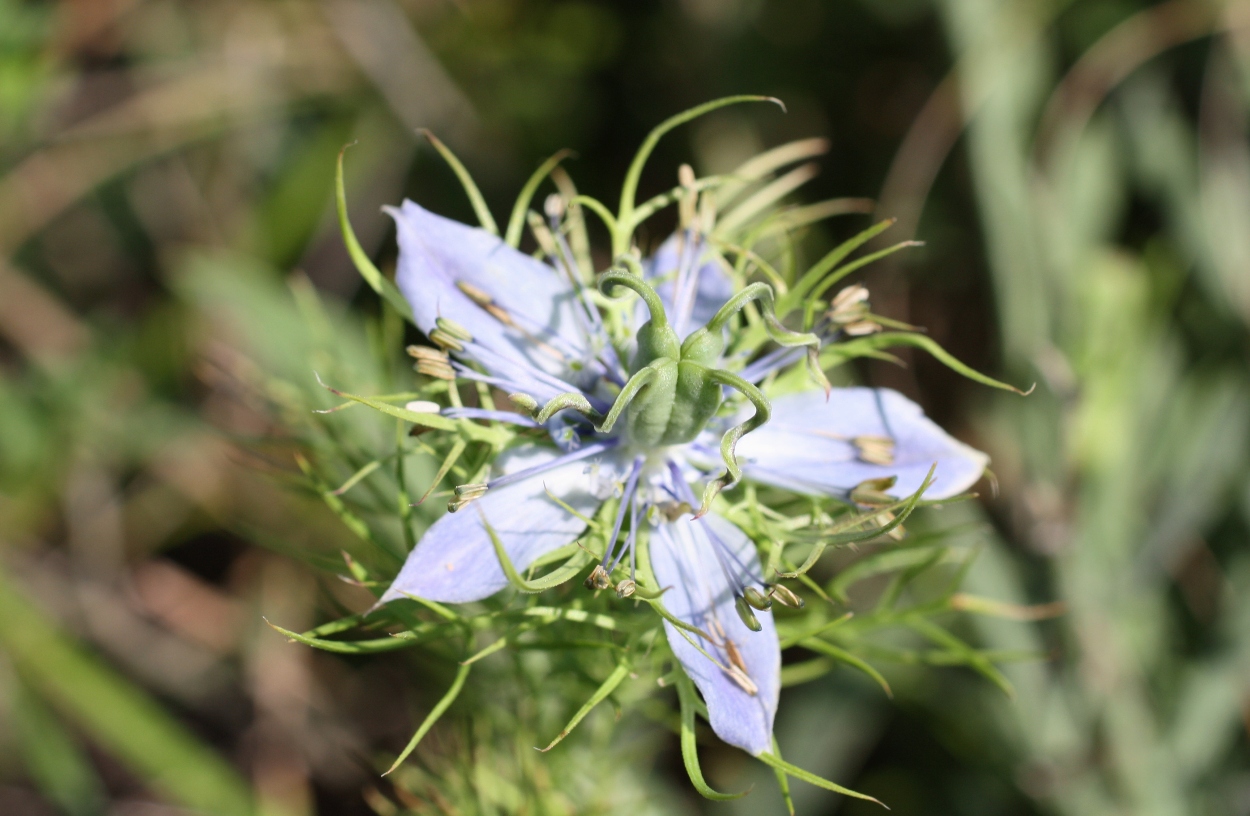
(170, 276)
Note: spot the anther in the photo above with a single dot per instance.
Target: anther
(465, 494)
(626, 588)
(444, 340)
(432, 362)
(850, 312)
(688, 202)
(674, 510)
(744, 682)
(453, 329)
(738, 668)
(748, 617)
(598, 578)
(874, 450)
(785, 596)
(486, 302)
(757, 599)
(542, 234)
(553, 206)
(871, 492)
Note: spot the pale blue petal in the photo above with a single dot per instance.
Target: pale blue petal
(455, 561)
(436, 253)
(682, 559)
(807, 447)
(713, 288)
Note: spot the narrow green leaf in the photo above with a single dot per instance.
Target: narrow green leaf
(609, 685)
(841, 655)
(878, 563)
(376, 280)
(794, 674)
(386, 644)
(798, 294)
(117, 716)
(973, 659)
(774, 761)
(689, 745)
(435, 713)
(842, 271)
(357, 477)
(558, 576)
(516, 223)
(475, 432)
(466, 181)
(449, 462)
(922, 341)
(56, 763)
(629, 189)
(783, 781)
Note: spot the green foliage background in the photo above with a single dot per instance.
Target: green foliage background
(171, 274)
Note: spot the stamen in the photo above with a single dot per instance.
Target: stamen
(466, 494)
(581, 453)
(874, 450)
(871, 492)
(737, 668)
(627, 497)
(633, 536)
(495, 416)
(444, 340)
(598, 578)
(748, 617)
(453, 329)
(785, 596)
(757, 599)
(626, 588)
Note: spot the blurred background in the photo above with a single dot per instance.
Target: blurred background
(170, 276)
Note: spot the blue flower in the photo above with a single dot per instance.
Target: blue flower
(533, 329)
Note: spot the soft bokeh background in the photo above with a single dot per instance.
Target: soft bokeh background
(1079, 171)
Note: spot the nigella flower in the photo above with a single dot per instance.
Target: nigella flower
(645, 431)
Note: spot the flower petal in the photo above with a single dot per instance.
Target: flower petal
(808, 445)
(682, 558)
(712, 289)
(455, 561)
(436, 253)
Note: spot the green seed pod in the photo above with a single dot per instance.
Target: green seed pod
(648, 415)
(748, 617)
(697, 397)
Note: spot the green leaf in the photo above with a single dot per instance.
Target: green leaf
(386, 644)
(922, 341)
(841, 655)
(117, 716)
(558, 576)
(457, 684)
(55, 762)
(783, 782)
(608, 686)
(774, 761)
(475, 432)
(834, 257)
(620, 238)
(516, 223)
(689, 745)
(887, 560)
(466, 181)
(376, 280)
